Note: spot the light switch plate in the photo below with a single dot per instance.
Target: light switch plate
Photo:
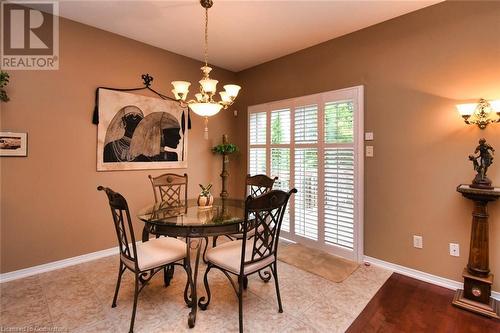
(418, 242)
(369, 136)
(369, 151)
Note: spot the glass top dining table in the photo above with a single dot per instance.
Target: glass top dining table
(191, 220)
(196, 224)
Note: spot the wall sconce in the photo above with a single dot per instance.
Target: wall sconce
(480, 114)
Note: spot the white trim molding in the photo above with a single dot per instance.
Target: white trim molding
(422, 276)
(22, 273)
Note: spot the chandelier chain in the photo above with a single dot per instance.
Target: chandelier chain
(206, 36)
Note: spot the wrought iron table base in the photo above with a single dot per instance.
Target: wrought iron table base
(191, 299)
(194, 235)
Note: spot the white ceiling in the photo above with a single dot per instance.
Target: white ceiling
(242, 34)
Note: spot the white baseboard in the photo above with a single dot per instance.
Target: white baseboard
(22, 273)
(422, 276)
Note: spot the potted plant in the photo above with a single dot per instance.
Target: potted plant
(4, 80)
(225, 149)
(205, 199)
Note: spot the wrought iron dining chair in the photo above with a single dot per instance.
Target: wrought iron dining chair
(170, 188)
(254, 186)
(244, 257)
(143, 259)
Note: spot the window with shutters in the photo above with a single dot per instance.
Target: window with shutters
(314, 143)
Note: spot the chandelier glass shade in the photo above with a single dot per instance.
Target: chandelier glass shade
(480, 114)
(205, 103)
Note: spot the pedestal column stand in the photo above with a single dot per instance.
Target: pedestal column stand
(224, 174)
(476, 295)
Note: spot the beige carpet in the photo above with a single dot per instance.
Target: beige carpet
(314, 261)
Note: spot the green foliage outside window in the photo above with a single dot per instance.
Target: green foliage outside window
(280, 157)
(339, 122)
(276, 130)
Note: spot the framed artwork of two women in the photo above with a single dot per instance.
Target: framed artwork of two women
(137, 132)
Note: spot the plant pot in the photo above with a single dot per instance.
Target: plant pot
(205, 201)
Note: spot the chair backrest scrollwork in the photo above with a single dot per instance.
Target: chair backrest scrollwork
(123, 224)
(265, 214)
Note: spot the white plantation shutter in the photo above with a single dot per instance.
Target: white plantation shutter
(257, 125)
(306, 124)
(257, 158)
(339, 121)
(257, 136)
(280, 155)
(306, 200)
(280, 167)
(339, 173)
(339, 196)
(306, 172)
(280, 126)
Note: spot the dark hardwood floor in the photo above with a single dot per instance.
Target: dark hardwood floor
(404, 304)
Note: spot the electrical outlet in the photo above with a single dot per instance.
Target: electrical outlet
(369, 136)
(369, 151)
(418, 242)
(454, 249)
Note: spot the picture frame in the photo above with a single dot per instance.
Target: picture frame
(138, 132)
(13, 144)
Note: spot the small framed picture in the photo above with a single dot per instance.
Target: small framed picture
(13, 144)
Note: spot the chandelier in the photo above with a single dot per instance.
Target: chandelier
(205, 105)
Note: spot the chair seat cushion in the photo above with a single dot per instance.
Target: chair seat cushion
(158, 252)
(228, 256)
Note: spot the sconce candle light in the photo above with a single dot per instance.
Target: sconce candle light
(480, 114)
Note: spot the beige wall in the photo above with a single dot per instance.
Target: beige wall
(415, 68)
(50, 208)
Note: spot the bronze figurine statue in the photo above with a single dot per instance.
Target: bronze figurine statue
(482, 159)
